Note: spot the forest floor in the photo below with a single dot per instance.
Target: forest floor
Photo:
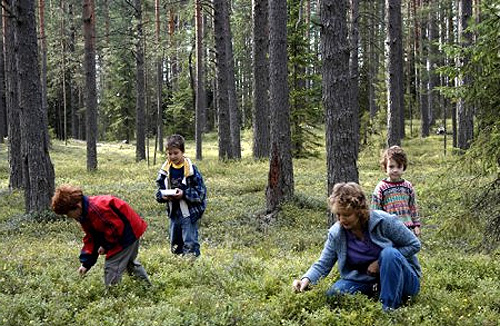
(247, 265)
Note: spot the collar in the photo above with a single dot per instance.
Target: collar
(187, 164)
(85, 209)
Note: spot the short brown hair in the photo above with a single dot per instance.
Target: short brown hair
(175, 141)
(395, 153)
(66, 198)
(349, 196)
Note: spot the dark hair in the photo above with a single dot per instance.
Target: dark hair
(175, 141)
(349, 196)
(66, 198)
(395, 153)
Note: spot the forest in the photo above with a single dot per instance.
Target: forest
(278, 100)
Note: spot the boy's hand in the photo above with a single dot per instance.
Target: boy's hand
(416, 230)
(82, 271)
(300, 285)
(178, 194)
(101, 251)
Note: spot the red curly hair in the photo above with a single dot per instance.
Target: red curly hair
(66, 198)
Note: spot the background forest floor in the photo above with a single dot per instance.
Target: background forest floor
(247, 265)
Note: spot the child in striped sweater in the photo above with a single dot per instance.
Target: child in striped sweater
(394, 194)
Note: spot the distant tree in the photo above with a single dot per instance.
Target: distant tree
(340, 147)
(280, 185)
(234, 111)
(140, 149)
(221, 35)
(354, 70)
(38, 172)
(394, 48)
(464, 108)
(90, 83)
(200, 79)
(260, 49)
(12, 100)
(3, 105)
(423, 73)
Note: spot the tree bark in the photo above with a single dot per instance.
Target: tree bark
(260, 49)
(140, 148)
(340, 148)
(3, 104)
(354, 71)
(38, 174)
(394, 71)
(12, 101)
(90, 83)
(464, 109)
(234, 111)
(280, 182)
(200, 79)
(225, 143)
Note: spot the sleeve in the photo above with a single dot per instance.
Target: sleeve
(377, 198)
(413, 207)
(160, 184)
(402, 237)
(88, 254)
(325, 263)
(195, 192)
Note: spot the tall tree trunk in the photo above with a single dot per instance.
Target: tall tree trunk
(38, 175)
(432, 62)
(3, 104)
(372, 58)
(200, 79)
(90, 83)
(73, 88)
(394, 48)
(464, 109)
(159, 81)
(354, 70)
(424, 77)
(140, 148)
(43, 68)
(234, 112)
(12, 101)
(225, 143)
(340, 148)
(260, 48)
(280, 185)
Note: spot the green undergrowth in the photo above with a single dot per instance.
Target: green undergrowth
(248, 262)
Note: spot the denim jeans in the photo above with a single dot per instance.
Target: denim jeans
(398, 281)
(183, 235)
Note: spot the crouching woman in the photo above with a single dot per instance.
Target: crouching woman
(373, 250)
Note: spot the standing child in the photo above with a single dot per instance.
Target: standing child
(181, 186)
(394, 194)
(111, 227)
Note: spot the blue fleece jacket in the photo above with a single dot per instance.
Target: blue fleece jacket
(385, 230)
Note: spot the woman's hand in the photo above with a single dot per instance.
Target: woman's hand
(373, 269)
(301, 285)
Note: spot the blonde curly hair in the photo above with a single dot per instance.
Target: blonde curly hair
(349, 196)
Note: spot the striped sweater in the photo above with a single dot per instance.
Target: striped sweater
(398, 198)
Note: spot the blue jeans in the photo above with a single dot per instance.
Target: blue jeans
(398, 281)
(183, 235)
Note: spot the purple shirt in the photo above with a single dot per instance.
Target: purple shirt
(361, 253)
